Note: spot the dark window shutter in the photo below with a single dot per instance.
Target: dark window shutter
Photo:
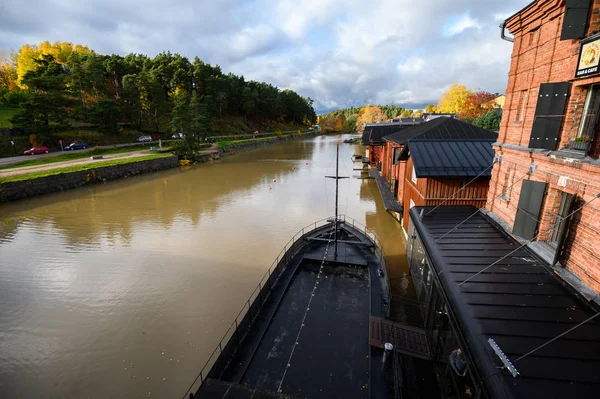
(575, 21)
(528, 210)
(550, 107)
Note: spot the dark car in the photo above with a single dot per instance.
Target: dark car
(36, 150)
(80, 145)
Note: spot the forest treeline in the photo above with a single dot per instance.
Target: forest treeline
(59, 85)
(476, 107)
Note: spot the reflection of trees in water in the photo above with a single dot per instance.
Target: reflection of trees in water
(111, 211)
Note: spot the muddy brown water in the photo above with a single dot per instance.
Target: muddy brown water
(124, 289)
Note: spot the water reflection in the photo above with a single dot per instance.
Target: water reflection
(124, 288)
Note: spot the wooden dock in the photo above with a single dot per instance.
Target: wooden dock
(406, 339)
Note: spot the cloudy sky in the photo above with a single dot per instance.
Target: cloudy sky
(341, 53)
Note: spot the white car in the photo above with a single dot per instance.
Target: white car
(144, 138)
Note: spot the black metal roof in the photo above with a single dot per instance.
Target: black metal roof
(443, 128)
(518, 302)
(373, 134)
(441, 158)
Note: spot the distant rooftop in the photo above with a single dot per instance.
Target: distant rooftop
(374, 133)
(443, 128)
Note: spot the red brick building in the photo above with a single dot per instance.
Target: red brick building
(549, 139)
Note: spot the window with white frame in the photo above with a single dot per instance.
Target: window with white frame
(414, 175)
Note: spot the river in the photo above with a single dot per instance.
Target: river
(123, 289)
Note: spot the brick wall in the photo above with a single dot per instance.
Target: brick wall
(582, 252)
(539, 56)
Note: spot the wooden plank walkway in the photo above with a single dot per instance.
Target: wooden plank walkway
(406, 339)
(389, 201)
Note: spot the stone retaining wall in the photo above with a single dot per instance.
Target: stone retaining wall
(66, 181)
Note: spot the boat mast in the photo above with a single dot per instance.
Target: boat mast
(337, 180)
(337, 177)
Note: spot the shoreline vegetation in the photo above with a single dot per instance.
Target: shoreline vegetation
(69, 92)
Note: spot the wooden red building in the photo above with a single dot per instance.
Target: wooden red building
(449, 154)
(374, 133)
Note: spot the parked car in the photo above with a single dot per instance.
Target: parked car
(177, 136)
(80, 145)
(144, 138)
(36, 150)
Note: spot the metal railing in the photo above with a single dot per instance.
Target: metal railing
(267, 281)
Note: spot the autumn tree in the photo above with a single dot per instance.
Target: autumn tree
(431, 109)
(8, 72)
(369, 114)
(478, 103)
(453, 99)
(60, 52)
(407, 113)
(338, 124)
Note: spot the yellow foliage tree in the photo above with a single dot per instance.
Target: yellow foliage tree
(338, 123)
(28, 54)
(8, 71)
(431, 109)
(369, 114)
(407, 113)
(453, 99)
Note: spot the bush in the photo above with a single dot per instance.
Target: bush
(279, 134)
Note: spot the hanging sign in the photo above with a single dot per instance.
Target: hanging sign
(589, 58)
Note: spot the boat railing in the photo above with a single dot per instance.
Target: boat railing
(250, 308)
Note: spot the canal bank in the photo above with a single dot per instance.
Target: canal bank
(16, 190)
(136, 281)
(61, 181)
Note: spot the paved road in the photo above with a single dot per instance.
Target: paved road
(11, 160)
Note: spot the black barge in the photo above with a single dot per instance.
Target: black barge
(305, 330)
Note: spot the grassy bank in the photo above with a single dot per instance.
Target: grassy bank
(228, 143)
(69, 156)
(6, 114)
(78, 168)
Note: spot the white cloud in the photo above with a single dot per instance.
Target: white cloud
(339, 52)
(459, 24)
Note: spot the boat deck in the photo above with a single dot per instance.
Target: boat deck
(319, 334)
(311, 338)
